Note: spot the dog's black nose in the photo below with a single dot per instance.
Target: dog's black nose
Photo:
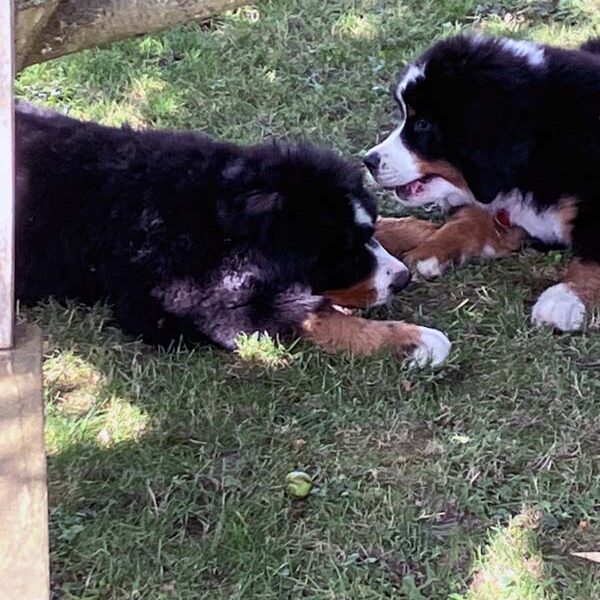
(372, 161)
(400, 281)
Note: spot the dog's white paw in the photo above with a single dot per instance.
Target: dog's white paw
(432, 350)
(429, 268)
(560, 308)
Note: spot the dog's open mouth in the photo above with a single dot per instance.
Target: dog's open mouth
(415, 187)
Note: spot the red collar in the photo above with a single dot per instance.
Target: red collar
(503, 217)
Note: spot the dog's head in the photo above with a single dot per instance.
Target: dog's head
(307, 211)
(467, 109)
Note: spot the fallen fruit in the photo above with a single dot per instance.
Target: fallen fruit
(298, 484)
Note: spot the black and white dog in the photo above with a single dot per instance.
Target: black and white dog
(186, 236)
(513, 127)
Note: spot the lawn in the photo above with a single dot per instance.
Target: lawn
(166, 469)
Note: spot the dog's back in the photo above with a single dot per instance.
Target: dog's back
(592, 46)
(86, 191)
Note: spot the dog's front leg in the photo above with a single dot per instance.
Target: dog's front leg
(563, 306)
(337, 331)
(401, 235)
(470, 233)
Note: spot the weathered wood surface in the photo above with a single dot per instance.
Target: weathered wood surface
(6, 175)
(24, 569)
(48, 29)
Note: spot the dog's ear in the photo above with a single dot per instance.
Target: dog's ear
(251, 215)
(493, 170)
(484, 185)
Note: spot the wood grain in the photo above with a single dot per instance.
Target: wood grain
(7, 175)
(24, 568)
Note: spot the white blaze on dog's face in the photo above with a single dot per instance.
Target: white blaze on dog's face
(361, 215)
(387, 276)
(390, 274)
(392, 159)
(399, 164)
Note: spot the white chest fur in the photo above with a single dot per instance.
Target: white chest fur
(547, 225)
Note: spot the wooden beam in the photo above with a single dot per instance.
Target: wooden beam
(24, 558)
(47, 29)
(24, 563)
(7, 174)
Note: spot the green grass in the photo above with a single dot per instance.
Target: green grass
(511, 567)
(167, 469)
(261, 348)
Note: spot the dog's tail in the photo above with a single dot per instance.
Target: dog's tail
(592, 46)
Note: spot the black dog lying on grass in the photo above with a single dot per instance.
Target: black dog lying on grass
(186, 236)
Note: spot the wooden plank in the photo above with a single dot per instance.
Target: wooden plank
(24, 568)
(47, 29)
(7, 174)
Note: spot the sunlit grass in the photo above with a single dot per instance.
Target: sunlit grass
(260, 348)
(511, 567)
(359, 25)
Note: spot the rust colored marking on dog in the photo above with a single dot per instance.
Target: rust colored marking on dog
(567, 211)
(361, 295)
(335, 331)
(470, 233)
(583, 277)
(399, 236)
(442, 168)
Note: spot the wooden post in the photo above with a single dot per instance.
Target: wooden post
(24, 558)
(7, 174)
(24, 561)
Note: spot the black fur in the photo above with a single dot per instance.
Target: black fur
(508, 124)
(184, 235)
(592, 45)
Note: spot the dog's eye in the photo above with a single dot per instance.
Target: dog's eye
(422, 125)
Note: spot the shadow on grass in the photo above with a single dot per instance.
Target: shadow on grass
(166, 469)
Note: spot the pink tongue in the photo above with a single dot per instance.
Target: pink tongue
(412, 188)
